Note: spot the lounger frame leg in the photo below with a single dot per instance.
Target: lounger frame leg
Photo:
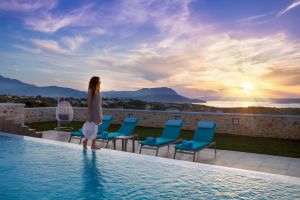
(70, 138)
(194, 156)
(80, 140)
(107, 143)
(156, 151)
(215, 149)
(194, 152)
(133, 145)
(141, 149)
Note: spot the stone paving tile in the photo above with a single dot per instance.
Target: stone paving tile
(276, 162)
(293, 172)
(294, 167)
(272, 170)
(241, 160)
(249, 161)
(253, 156)
(246, 166)
(223, 162)
(295, 163)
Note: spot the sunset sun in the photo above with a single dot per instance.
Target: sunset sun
(247, 87)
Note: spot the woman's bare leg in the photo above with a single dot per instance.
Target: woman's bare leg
(93, 144)
(85, 143)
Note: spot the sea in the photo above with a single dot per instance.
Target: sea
(233, 104)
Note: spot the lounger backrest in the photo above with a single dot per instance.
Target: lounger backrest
(106, 121)
(205, 131)
(172, 129)
(128, 125)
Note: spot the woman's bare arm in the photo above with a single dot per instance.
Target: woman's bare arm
(100, 108)
(89, 104)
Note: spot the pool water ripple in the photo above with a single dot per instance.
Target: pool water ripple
(35, 170)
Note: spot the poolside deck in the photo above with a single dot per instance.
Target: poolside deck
(249, 161)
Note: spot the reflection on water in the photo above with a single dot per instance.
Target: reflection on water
(92, 181)
(49, 171)
(232, 104)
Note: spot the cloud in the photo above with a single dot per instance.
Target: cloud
(205, 67)
(256, 19)
(97, 31)
(71, 44)
(218, 61)
(253, 18)
(133, 12)
(194, 57)
(50, 46)
(155, 68)
(283, 76)
(293, 5)
(28, 49)
(50, 23)
(30, 5)
(74, 43)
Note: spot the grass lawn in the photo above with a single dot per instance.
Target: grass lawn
(271, 146)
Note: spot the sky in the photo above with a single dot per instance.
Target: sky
(209, 49)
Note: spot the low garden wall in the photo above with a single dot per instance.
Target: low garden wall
(257, 125)
(12, 111)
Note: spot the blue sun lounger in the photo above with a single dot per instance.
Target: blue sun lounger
(125, 130)
(106, 121)
(203, 138)
(169, 135)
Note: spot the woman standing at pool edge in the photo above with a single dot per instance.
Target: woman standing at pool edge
(94, 106)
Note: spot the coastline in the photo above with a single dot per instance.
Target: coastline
(238, 104)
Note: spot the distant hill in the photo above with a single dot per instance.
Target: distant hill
(15, 87)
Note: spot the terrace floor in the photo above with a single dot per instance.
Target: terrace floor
(249, 161)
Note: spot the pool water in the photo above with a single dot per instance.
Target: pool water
(40, 169)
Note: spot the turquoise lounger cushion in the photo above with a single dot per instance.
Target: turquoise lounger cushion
(131, 120)
(78, 134)
(171, 132)
(205, 131)
(187, 144)
(196, 146)
(110, 135)
(150, 140)
(107, 118)
(174, 122)
(159, 141)
(128, 126)
(206, 124)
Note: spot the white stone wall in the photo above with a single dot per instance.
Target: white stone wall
(12, 111)
(257, 125)
(42, 114)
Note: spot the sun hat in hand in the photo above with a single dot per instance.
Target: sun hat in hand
(90, 130)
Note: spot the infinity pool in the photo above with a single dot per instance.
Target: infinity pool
(41, 169)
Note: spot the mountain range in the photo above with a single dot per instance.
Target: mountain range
(163, 94)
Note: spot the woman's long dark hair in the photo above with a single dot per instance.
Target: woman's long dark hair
(94, 81)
